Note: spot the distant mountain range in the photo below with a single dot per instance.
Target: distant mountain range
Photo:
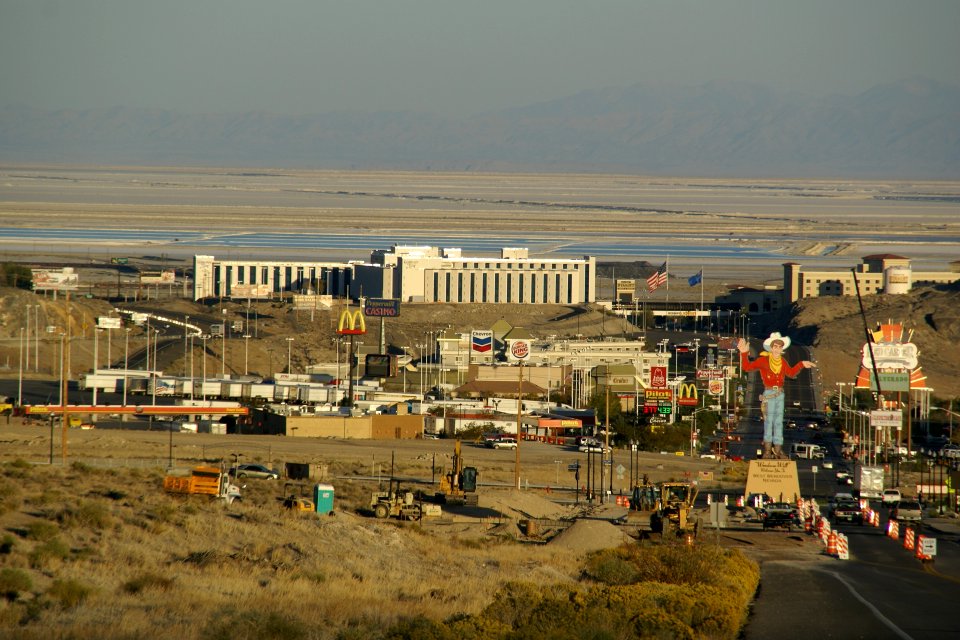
(908, 129)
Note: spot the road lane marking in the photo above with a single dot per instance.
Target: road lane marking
(876, 612)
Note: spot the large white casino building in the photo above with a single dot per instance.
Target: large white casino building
(409, 274)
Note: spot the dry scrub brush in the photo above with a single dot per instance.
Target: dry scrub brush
(106, 554)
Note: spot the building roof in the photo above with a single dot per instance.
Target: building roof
(498, 388)
(884, 256)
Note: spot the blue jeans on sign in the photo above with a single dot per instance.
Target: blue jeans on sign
(773, 402)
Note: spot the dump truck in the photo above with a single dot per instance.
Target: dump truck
(395, 503)
(208, 481)
(459, 485)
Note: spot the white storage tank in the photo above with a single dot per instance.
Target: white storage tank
(897, 280)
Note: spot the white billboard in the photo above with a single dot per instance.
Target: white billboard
(158, 277)
(107, 322)
(65, 279)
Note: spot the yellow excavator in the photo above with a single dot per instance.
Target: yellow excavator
(459, 485)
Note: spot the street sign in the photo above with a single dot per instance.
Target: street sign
(573, 467)
(928, 546)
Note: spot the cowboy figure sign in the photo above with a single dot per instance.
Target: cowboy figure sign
(774, 369)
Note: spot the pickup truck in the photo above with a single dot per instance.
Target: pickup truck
(848, 511)
(779, 515)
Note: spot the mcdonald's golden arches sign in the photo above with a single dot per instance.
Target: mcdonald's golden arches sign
(351, 323)
(687, 395)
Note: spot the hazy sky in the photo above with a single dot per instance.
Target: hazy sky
(449, 56)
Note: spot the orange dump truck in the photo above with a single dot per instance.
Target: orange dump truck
(208, 481)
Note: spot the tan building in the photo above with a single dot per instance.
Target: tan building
(880, 273)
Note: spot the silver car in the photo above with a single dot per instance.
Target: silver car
(907, 511)
(254, 471)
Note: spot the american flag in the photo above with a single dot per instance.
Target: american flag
(658, 278)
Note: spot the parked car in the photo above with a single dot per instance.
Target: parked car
(254, 471)
(907, 511)
(890, 497)
(951, 451)
(503, 443)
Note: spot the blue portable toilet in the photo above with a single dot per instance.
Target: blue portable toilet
(323, 498)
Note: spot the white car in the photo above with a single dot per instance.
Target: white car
(891, 497)
(593, 447)
(505, 444)
(951, 451)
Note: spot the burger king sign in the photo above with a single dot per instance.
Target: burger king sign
(520, 350)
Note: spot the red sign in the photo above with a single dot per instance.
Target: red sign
(658, 377)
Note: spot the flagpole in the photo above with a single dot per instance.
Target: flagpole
(701, 295)
(666, 272)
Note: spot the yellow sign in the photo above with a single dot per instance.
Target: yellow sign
(687, 395)
(657, 394)
(351, 323)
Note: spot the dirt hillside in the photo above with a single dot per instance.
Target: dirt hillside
(930, 317)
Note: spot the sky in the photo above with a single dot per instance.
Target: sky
(451, 57)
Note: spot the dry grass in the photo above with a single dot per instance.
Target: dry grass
(105, 554)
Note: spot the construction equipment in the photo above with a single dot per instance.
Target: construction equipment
(676, 503)
(459, 485)
(292, 502)
(209, 481)
(663, 508)
(395, 503)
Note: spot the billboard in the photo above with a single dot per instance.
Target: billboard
(106, 322)
(65, 279)
(167, 276)
(658, 377)
(625, 290)
(519, 350)
(256, 291)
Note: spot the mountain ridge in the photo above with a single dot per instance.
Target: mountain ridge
(908, 129)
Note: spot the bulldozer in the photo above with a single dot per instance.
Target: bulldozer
(459, 485)
(663, 508)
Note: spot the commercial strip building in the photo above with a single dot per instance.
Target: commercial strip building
(409, 274)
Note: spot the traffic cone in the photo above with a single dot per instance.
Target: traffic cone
(832, 544)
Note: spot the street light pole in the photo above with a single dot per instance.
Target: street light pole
(246, 352)
(289, 353)
(20, 375)
(126, 361)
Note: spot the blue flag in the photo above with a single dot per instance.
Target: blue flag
(695, 279)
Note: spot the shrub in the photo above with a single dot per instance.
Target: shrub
(7, 544)
(13, 582)
(417, 628)
(10, 496)
(147, 581)
(94, 515)
(54, 549)
(255, 625)
(42, 530)
(69, 593)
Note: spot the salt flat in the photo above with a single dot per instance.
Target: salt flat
(732, 226)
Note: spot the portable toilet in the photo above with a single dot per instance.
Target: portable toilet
(323, 498)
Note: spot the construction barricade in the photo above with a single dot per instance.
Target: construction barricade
(843, 547)
(909, 541)
(832, 544)
(893, 529)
